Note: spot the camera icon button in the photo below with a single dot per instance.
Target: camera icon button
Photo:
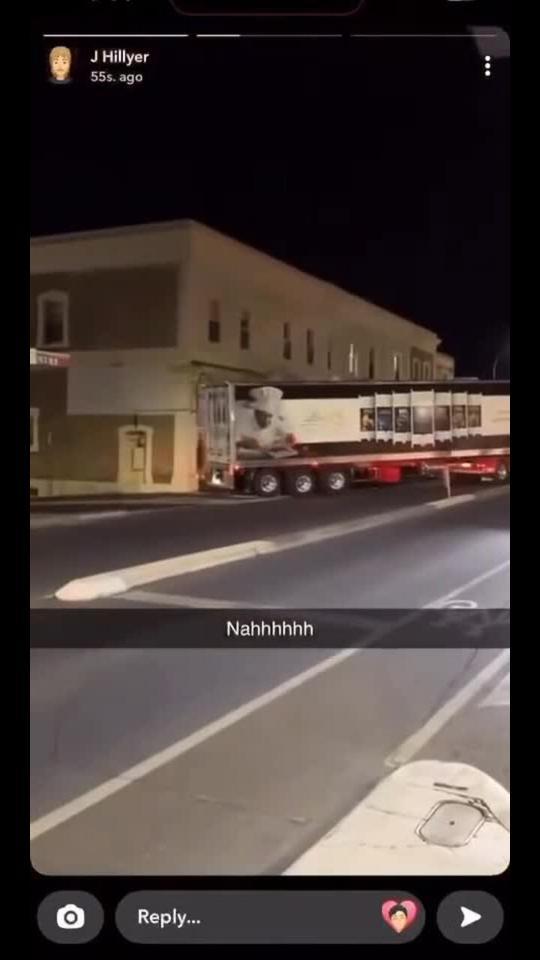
(70, 916)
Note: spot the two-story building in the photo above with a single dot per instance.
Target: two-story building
(149, 313)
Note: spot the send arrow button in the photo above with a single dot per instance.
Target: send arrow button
(478, 922)
(469, 916)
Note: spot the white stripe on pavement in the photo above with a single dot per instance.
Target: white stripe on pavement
(452, 501)
(157, 760)
(110, 787)
(413, 744)
(470, 583)
(180, 600)
(500, 696)
(119, 581)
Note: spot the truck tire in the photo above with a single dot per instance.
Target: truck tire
(267, 483)
(502, 473)
(333, 481)
(299, 482)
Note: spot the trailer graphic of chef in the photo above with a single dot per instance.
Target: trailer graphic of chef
(261, 425)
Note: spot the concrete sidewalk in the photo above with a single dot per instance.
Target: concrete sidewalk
(66, 512)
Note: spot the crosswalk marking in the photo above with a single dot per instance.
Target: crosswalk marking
(500, 695)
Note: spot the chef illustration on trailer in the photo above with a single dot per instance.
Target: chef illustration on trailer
(262, 427)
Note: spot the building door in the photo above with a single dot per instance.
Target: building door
(134, 457)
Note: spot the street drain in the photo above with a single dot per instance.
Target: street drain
(452, 823)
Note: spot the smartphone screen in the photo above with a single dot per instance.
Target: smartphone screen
(270, 462)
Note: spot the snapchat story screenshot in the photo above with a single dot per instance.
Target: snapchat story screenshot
(269, 474)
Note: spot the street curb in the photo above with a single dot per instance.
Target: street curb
(72, 519)
(114, 582)
(382, 828)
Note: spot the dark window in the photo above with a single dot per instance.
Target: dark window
(287, 342)
(53, 319)
(310, 346)
(244, 331)
(214, 322)
(329, 357)
(53, 322)
(372, 364)
(34, 430)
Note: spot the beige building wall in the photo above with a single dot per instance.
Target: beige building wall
(228, 280)
(106, 308)
(444, 366)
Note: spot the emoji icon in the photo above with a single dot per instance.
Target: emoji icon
(399, 914)
(60, 64)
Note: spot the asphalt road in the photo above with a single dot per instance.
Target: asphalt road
(403, 565)
(250, 755)
(251, 791)
(81, 547)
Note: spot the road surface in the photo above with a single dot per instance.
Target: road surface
(406, 564)
(236, 761)
(248, 756)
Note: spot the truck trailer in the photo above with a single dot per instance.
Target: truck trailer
(300, 437)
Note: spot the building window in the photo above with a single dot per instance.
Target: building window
(352, 365)
(245, 331)
(372, 364)
(214, 322)
(329, 357)
(396, 366)
(415, 368)
(287, 342)
(310, 347)
(53, 318)
(34, 430)
(426, 370)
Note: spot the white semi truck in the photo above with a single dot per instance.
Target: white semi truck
(300, 437)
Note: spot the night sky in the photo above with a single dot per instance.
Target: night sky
(381, 166)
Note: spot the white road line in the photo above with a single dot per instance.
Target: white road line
(500, 696)
(157, 760)
(71, 809)
(470, 583)
(452, 501)
(97, 586)
(179, 600)
(413, 744)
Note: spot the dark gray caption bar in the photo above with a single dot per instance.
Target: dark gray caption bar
(270, 916)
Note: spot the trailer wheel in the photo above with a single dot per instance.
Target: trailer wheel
(502, 472)
(267, 483)
(333, 481)
(299, 482)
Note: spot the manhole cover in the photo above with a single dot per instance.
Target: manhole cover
(451, 824)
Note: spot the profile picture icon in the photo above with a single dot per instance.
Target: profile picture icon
(399, 914)
(60, 62)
